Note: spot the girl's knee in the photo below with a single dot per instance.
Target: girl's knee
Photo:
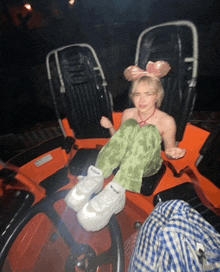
(152, 132)
(130, 123)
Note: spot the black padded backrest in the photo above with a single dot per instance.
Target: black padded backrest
(78, 88)
(177, 44)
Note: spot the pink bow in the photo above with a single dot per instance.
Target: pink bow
(153, 69)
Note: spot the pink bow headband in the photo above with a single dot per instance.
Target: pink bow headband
(153, 69)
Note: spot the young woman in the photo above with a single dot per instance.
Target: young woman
(135, 148)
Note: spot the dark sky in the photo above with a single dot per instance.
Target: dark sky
(112, 27)
(108, 23)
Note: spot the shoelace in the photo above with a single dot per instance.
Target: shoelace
(87, 184)
(104, 198)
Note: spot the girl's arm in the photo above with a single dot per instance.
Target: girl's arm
(106, 123)
(169, 138)
(127, 114)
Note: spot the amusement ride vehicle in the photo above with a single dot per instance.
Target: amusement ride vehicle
(38, 232)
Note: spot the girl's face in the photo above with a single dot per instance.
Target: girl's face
(145, 97)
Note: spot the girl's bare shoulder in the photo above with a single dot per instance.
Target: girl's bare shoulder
(128, 113)
(165, 122)
(163, 116)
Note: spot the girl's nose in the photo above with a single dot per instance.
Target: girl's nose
(142, 98)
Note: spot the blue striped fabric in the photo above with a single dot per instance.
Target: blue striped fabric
(176, 238)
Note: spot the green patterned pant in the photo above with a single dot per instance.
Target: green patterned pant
(136, 150)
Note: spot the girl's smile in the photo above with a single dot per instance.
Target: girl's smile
(142, 106)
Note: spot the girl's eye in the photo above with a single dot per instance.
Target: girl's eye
(145, 94)
(149, 94)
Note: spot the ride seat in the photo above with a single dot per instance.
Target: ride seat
(82, 160)
(209, 163)
(186, 192)
(149, 184)
(53, 182)
(176, 43)
(13, 205)
(78, 88)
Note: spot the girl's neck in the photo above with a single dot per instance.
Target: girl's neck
(146, 114)
(145, 118)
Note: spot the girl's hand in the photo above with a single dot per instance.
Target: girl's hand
(106, 123)
(175, 153)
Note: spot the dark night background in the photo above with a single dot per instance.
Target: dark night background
(112, 28)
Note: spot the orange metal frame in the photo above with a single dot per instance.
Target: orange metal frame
(138, 207)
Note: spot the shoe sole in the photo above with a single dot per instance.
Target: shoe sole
(92, 226)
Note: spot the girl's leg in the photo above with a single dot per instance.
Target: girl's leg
(109, 158)
(112, 154)
(143, 158)
(138, 151)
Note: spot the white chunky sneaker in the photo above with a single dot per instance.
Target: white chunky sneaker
(80, 194)
(96, 214)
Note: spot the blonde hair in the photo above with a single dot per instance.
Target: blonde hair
(151, 81)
